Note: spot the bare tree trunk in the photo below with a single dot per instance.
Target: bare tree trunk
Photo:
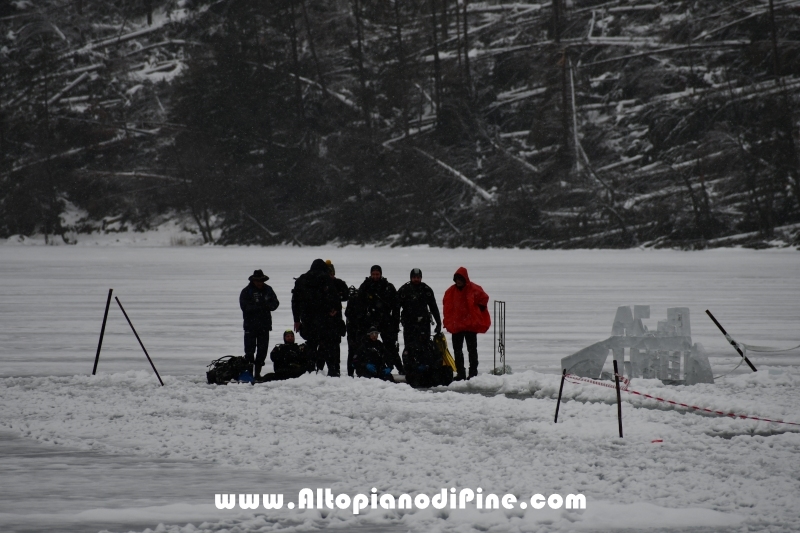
(573, 110)
(437, 70)
(564, 105)
(361, 73)
(401, 60)
(466, 48)
(557, 21)
(313, 49)
(298, 88)
(459, 40)
(148, 6)
(776, 66)
(787, 123)
(444, 20)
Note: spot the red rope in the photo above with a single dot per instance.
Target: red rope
(577, 379)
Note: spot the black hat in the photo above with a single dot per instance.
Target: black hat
(258, 275)
(415, 272)
(373, 329)
(374, 268)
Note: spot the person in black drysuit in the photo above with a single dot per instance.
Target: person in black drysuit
(317, 315)
(373, 360)
(379, 298)
(335, 326)
(257, 302)
(289, 360)
(417, 306)
(357, 326)
(423, 363)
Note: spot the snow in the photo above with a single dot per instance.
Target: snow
(118, 452)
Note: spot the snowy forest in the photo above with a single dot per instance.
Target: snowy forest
(557, 124)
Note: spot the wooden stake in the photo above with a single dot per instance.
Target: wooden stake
(140, 340)
(560, 389)
(733, 342)
(102, 332)
(619, 398)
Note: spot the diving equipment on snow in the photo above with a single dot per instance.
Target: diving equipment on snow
(441, 344)
(228, 368)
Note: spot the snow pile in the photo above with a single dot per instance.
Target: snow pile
(367, 433)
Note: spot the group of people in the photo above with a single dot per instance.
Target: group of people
(371, 324)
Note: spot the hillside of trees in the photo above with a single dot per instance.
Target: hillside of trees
(559, 124)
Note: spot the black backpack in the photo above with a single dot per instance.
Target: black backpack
(225, 369)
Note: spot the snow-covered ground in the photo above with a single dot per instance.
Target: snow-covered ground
(117, 451)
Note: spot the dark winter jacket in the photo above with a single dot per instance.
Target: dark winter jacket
(290, 357)
(313, 297)
(257, 306)
(423, 365)
(421, 357)
(417, 304)
(372, 359)
(465, 309)
(341, 289)
(332, 328)
(356, 314)
(382, 309)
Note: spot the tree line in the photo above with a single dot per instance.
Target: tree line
(444, 122)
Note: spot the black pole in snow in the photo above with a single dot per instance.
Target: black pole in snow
(733, 342)
(102, 332)
(619, 398)
(560, 389)
(140, 340)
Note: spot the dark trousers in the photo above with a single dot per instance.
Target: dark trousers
(279, 376)
(256, 342)
(329, 353)
(472, 349)
(389, 340)
(353, 343)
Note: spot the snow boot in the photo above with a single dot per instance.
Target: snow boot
(460, 376)
(472, 372)
(257, 373)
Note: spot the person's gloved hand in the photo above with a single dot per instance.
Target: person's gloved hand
(372, 369)
(482, 307)
(387, 371)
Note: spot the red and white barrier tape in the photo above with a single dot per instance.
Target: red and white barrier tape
(623, 381)
(577, 379)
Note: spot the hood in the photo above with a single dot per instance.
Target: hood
(463, 273)
(319, 266)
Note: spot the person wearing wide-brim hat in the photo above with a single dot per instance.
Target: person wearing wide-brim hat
(257, 302)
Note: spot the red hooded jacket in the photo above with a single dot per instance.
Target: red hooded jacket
(465, 309)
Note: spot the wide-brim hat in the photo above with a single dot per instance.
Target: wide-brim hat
(258, 275)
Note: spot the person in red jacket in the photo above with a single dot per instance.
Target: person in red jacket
(465, 315)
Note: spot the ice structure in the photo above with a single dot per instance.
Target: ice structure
(666, 354)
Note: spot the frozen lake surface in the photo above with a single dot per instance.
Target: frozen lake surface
(184, 301)
(119, 452)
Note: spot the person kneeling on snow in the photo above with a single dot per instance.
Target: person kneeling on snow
(372, 360)
(289, 360)
(423, 364)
